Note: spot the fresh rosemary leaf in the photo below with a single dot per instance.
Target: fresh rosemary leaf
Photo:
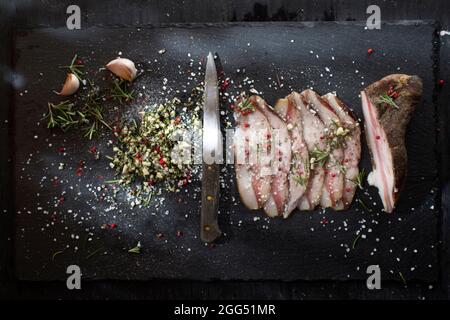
(56, 253)
(385, 98)
(120, 91)
(75, 68)
(91, 130)
(356, 240)
(300, 180)
(364, 205)
(60, 115)
(136, 249)
(246, 105)
(94, 252)
(359, 179)
(318, 156)
(402, 278)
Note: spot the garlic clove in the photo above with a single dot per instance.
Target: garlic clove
(70, 86)
(123, 68)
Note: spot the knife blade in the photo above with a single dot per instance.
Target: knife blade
(212, 150)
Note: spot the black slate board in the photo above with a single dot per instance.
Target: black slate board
(307, 246)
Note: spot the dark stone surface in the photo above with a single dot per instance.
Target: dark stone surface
(297, 248)
(138, 12)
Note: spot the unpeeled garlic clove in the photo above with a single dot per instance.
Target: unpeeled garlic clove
(70, 86)
(123, 68)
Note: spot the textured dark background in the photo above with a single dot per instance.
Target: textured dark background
(51, 13)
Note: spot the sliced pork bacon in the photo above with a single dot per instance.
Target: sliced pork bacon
(299, 171)
(281, 162)
(388, 105)
(352, 149)
(253, 173)
(333, 187)
(313, 130)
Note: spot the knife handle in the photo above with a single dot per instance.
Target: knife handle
(210, 203)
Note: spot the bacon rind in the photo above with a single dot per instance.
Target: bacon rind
(385, 128)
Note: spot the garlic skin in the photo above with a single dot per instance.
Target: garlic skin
(70, 86)
(123, 68)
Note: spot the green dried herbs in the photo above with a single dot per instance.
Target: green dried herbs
(86, 113)
(85, 110)
(152, 150)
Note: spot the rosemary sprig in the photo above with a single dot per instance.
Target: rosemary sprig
(61, 115)
(364, 205)
(385, 98)
(319, 156)
(356, 240)
(300, 180)
(114, 181)
(146, 201)
(359, 179)
(92, 111)
(336, 135)
(87, 114)
(402, 277)
(76, 69)
(95, 118)
(91, 130)
(246, 105)
(94, 252)
(342, 169)
(120, 91)
(56, 253)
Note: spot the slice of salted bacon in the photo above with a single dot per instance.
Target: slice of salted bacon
(313, 130)
(334, 178)
(352, 149)
(253, 172)
(388, 105)
(281, 162)
(298, 176)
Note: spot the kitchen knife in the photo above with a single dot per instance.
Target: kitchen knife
(212, 150)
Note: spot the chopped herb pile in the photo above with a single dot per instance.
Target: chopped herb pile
(152, 151)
